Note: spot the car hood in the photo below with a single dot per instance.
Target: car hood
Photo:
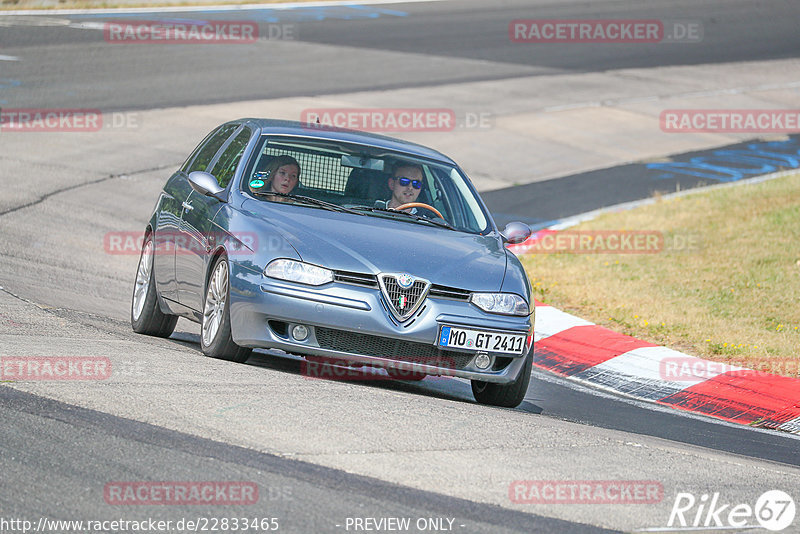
(370, 244)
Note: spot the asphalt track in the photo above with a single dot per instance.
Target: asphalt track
(369, 48)
(387, 449)
(544, 203)
(285, 486)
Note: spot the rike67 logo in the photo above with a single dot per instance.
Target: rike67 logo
(774, 510)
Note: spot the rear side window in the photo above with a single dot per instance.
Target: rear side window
(207, 151)
(225, 167)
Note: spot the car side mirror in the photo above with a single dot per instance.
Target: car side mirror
(515, 233)
(205, 184)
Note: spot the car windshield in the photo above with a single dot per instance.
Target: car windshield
(366, 180)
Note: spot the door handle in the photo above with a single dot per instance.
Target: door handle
(187, 206)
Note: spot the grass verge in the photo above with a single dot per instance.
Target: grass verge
(725, 286)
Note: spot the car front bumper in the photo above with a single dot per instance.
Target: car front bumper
(350, 322)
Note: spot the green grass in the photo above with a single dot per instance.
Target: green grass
(735, 297)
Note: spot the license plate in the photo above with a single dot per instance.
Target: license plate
(462, 338)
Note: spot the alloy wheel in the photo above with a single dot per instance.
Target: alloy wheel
(216, 297)
(142, 279)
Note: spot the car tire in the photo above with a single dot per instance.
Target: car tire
(215, 329)
(146, 315)
(505, 395)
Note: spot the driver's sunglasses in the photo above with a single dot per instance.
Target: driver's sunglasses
(402, 180)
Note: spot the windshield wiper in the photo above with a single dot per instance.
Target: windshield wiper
(440, 223)
(310, 200)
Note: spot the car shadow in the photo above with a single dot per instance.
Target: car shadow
(185, 339)
(440, 387)
(448, 388)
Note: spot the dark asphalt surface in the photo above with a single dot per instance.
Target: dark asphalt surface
(557, 398)
(66, 455)
(44, 441)
(63, 67)
(541, 204)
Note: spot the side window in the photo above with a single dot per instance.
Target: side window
(206, 153)
(225, 167)
(193, 155)
(435, 192)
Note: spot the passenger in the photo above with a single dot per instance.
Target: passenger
(406, 185)
(282, 175)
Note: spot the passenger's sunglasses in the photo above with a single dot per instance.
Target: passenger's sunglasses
(402, 180)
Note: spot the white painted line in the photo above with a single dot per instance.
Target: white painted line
(89, 25)
(204, 8)
(662, 363)
(792, 426)
(8, 58)
(550, 321)
(652, 373)
(607, 393)
(626, 384)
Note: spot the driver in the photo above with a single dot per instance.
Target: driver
(406, 185)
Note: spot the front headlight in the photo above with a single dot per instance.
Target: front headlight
(298, 271)
(502, 303)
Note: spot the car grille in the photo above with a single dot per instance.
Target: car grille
(359, 279)
(448, 292)
(370, 280)
(403, 302)
(390, 349)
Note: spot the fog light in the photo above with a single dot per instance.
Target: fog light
(299, 332)
(482, 361)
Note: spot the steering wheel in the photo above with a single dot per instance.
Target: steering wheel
(419, 205)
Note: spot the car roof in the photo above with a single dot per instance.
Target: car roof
(302, 129)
